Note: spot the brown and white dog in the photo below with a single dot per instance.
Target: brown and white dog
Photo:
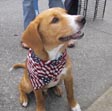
(47, 36)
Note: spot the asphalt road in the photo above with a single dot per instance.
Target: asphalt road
(92, 60)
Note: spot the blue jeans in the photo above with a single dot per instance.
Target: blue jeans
(29, 12)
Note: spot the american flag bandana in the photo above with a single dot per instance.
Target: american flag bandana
(41, 72)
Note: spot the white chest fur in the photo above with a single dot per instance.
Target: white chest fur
(54, 54)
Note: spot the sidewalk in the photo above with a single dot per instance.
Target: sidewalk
(92, 60)
(104, 103)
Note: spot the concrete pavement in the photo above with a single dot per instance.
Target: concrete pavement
(103, 103)
(91, 58)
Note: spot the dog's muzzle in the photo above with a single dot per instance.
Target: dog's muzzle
(78, 35)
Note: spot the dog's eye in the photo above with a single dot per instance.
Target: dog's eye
(55, 20)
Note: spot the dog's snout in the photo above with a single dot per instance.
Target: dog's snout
(81, 19)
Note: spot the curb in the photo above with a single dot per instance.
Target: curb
(103, 103)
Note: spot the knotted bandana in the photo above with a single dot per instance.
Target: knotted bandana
(41, 72)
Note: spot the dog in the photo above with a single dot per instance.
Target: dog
(47, 62)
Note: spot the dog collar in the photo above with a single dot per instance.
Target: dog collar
(41, 72)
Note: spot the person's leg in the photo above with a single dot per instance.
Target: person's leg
(73, 10)
(28, 12)
(56, 3)
(28, 15)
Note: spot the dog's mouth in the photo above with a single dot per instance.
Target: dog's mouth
(77, 35)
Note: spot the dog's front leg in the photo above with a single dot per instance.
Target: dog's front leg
(68, 81)
(40, 100)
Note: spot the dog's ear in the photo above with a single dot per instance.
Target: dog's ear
(32, 38)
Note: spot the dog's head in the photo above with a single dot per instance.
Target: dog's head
(52, 28)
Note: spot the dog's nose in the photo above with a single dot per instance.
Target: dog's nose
(81, 19)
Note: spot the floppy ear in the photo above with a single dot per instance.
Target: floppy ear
(32, 38)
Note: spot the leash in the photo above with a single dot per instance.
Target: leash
(35, 4)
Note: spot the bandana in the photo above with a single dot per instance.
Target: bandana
(41, 72)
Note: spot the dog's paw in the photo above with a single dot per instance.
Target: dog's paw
(76, 108)
(24, 100)
(25, 104)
